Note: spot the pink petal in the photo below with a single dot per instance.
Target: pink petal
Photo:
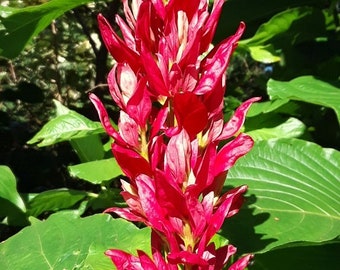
(146, 262)
(242, 263)
(139, 106)
(123, 260)
(237, 120)
(123, 84)
(153, 211)
(116, 46)
(186, 258)
(222, 255)
(127, 33)
(231, 152)
(131, 163)
(216, 62)
(177, 157)
(222, 211)
(211, 24)
(104, 119)
(126, 213)
(128, 129)
(190, 113)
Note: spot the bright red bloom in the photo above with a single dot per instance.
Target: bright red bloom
(170, 128)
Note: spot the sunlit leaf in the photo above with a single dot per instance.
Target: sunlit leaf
(291, 128)
(19, 25)
(12, 206)
(282, 30)
(67, 242)
(66, 127)
(96, 171)
(54, 200)
(8, 188)
(294, 190)
(307, 89)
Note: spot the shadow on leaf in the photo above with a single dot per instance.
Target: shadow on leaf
(240, 229)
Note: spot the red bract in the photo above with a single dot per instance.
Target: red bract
(170, 89)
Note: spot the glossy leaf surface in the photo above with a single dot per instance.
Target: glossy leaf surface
(20, 25)
(307, 89)
(96, 171)
(294, 190)
(67, 242)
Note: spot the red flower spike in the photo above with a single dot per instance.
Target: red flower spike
(170, 128)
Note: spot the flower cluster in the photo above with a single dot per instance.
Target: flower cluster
(169, 85)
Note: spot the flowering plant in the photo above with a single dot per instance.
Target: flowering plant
(172, 142)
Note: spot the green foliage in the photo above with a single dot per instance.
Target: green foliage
(65, 241)
(68, 125)
(20, 25)
(54, 200)
(294, 188)
(12, 205)
(96, 171)
(283, 30)
(308, 89)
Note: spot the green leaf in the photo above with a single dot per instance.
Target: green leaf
(291, 128)
(307, 89)
(314, 257)
(253, 13)
(66, 242)
(88, 148)
(294, 189)
(65, 127)
(284, 30)
(54, 200)
(266, 106)
(281, 23)
(20, 25)
(96, 171)
(264, 53)
(8, 188)
(12, 205)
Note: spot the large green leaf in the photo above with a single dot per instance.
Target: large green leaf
(19, 25)
(291, 128)
(282, 30)
(8, 188)
(88, 148)
(307, 89)
(253, 13)
(68, 125)
(12, 205)
(96, 171)
(54, 200)
(67, 242)
(294, 189)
